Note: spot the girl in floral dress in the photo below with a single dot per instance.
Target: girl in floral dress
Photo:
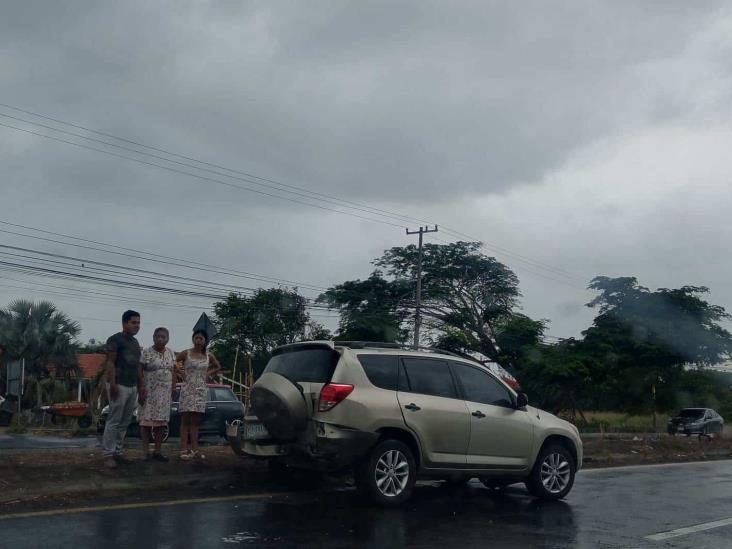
(156, 379)
(198, 366)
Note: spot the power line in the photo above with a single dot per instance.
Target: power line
(272, 182)
(528, 268)
(161, 289)
(175, 262)
(350, 204)
(239, 187)
(307, 194)
(79, 294)
(81, 297)
(139, 273)
(202, 177)
(519, 257)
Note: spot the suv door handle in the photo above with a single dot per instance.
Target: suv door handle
(413, 407)
(478, 414)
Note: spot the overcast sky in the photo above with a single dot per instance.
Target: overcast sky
(587, 137)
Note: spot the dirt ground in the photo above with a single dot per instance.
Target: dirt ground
(72, 477)
(616, 450)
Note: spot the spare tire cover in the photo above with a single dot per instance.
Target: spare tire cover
(280, 405)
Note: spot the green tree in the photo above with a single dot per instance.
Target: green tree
(257, 324)
(558, 377)
(371, 309)
(643, 339)
(92, 346)
(43, 336)
(468, 299)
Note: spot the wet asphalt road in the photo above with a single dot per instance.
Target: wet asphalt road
(607, 509)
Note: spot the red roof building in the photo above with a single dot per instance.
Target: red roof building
(91, 364)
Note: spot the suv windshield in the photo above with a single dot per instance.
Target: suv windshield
(314, 365)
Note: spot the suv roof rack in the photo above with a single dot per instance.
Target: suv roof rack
(404, 346)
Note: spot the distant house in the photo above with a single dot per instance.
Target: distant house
(91, 364)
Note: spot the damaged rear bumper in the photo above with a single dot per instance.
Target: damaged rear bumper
(322, 446)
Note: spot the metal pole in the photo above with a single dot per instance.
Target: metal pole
(236, 359)
(418, 299)
(418, 294)
(22, 383)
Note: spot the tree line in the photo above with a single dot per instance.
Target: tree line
(645, 349)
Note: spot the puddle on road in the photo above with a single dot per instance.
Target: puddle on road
(241, 537)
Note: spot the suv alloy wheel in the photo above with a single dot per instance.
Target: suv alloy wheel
(388, 474)
(553, 474)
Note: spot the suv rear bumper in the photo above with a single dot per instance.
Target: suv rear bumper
(322, 446)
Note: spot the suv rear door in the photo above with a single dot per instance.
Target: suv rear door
(286, 395)
(432, 408)
(501, 436)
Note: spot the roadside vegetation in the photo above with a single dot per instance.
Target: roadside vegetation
(617, 422)
(646, 352)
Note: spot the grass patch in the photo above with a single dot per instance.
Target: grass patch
(617, 422)
(84, 432)
(17, 426)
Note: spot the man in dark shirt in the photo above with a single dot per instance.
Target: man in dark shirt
(123, 358)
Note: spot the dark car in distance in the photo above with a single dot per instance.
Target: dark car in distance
(696, 421)
(222, 407)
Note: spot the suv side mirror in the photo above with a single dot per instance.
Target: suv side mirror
(521, 400)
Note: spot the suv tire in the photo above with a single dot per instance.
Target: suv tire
(553, 474)
(388, 474)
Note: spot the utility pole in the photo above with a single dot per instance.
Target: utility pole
(418, 296)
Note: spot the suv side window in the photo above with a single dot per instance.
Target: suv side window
(429, 376)
(480, 386)
(383, 371)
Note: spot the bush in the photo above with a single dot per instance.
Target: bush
(616, 422)
(87, 432)
(725, 405)
(17, 426)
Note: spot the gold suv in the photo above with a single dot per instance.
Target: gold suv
(393, 415)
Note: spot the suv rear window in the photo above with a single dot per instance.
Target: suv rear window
(313, 365)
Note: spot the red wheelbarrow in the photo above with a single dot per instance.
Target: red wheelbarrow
(78, 410)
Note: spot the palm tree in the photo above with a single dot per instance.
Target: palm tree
(43, 336)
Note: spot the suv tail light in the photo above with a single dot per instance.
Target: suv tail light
(331, 394)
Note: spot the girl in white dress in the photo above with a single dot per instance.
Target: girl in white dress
(198, 366)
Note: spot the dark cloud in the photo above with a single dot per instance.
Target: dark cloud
(420, 107)
(370, 100)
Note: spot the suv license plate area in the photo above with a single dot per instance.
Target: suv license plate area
(255, 431)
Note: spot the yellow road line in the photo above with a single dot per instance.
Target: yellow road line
(142, 505)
